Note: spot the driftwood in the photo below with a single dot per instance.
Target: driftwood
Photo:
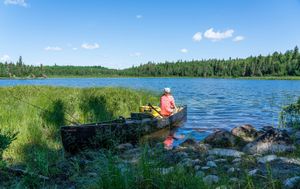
(21, 172)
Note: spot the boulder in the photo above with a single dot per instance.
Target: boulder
(220, 138)
(211, 179)
(292, 183)
(246, 132)
(211, 164)
(188, 143)
(272, 141)
(267, 158)
(225, 152)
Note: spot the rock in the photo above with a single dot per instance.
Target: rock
(267, 159)
(221, 160)
(297, 137)
(272, 141)
(205, 168)
(124, 147)
(237, 160)
(211, 158)
(188, 142)
(281, 168)
(245, 132)
(221, 139)
(211, 164)
(253, 172)
(203, 148)
(225, 152)
(187, 162)
(211, 179)
(200, 174)
(196, 162)
(290, 160)
(266, 128)
(292, 183)
(183, 154)
(197, 167)
(231, 170)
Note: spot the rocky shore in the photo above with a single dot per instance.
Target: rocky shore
(241, 158)
(243, 150)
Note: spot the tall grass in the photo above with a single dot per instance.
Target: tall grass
(37, 113)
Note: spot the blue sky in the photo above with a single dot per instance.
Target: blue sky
(122, 33)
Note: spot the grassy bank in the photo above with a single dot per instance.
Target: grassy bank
(37, 113)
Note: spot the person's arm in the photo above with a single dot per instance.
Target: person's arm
(173, 103)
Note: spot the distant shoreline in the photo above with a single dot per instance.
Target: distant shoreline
(183, 77)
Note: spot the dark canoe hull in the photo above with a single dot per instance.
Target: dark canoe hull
(104, 134)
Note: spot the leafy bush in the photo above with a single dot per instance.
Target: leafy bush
(290, 115)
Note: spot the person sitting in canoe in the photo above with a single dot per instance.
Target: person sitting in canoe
(167, 103)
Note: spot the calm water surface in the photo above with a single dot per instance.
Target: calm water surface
(212, 103)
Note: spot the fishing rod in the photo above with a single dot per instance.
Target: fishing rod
(155, 109)
(68, 113)
(37, 107)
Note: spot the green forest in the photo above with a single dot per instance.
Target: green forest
(275, 65)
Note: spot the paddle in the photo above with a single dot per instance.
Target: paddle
(155, 110)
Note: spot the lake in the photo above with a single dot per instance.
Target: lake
(212, 103)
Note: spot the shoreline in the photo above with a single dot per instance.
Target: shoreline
(166, 77)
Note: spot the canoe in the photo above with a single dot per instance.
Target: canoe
(105, 134)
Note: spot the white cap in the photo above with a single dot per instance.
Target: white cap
(167, 90)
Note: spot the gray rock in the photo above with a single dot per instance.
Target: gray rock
(189, 143)
(211, 179)
(231, 170)
(200, 174)
(221, 138)
(245, 132)
(187, 162)
(210, 157)
(226, 152)
(292, 183)
(237, 160)
(272, 141)
(221, 160)
(196, 162)
(125, 146)
(211, 164)
(267, 159)
(290, 160)
(205, 168)
(253, 172)
(197, 167)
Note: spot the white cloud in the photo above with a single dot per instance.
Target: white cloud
(184, 50)
(5, 58)
(74, 49)
(53, 48)
(139, 16)
(238, 38)
(197, 36)
(217, 35)
(16, 2)
(136, 54)
(90, 46)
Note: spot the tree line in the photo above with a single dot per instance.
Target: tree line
(276, 64)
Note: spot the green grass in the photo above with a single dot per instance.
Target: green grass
(37, 113)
